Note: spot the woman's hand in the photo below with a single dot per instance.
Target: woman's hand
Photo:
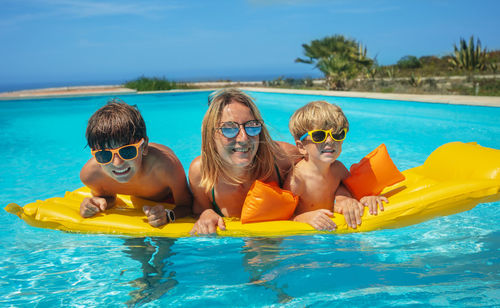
(208, 223)
(373, 203)
(319, 219)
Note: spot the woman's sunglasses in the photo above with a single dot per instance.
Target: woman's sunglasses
(232, 129)
(319, 135)
(126, 152)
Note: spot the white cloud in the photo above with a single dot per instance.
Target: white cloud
(79, 8)
(15, 13)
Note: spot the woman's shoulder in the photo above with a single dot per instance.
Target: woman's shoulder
(289, 155)
(196, 163)
(290, 151)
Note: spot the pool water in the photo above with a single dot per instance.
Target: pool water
(451, 260)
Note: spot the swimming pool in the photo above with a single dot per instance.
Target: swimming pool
(451, 260)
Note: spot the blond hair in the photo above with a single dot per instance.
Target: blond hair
(212, 165)
(317, 115)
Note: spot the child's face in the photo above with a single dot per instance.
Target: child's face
(240, 150)
(326, 152)
(122, 170)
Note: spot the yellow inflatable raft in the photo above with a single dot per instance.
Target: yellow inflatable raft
(454, 178)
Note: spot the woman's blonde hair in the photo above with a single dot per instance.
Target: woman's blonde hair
(212, 165)
(317, 115)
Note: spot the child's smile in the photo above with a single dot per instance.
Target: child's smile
(121, 172)
(326, 152)
(328, 148)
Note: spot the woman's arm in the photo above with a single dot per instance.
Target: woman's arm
(209, 220)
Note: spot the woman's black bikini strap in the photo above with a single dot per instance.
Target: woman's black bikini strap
(214, 204)
(280, 181)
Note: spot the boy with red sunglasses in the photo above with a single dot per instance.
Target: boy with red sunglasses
(319, 128)
(123, 162)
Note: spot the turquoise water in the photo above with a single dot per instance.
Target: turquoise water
(451, 260)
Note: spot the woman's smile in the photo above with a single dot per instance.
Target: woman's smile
(240, 150)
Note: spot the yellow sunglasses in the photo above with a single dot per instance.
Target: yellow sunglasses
(320, 135)
(126, 152)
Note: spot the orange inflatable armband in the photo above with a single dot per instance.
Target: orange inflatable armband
(373, 173)
(266, 201)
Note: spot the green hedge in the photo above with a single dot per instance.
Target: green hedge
(154, 84)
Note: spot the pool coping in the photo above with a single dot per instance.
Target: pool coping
(489, 101)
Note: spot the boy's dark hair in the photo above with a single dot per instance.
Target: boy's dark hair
(116, 123)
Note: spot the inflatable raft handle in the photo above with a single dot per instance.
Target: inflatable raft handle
(14, 209)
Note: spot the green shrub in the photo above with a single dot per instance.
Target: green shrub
(409, 62)
(485, 87)
(297, 83)
(469, 57)
(415, 81)
(154, 84)
(489, 87)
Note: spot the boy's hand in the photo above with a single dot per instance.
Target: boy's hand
(319, 219)
(91, 206)
(373, 203)
(208, 223)
(157, 216)
(352, 210)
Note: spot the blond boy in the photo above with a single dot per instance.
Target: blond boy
(319, 129)
(124, 162)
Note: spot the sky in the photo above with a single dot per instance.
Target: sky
(82, 42)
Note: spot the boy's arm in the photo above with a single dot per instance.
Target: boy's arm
(90, 175)
(209, 220)
(318, 219)
(172, 177)
(176, 180)
(345, 204)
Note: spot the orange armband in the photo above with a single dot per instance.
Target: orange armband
(267, 201)
(373, 173)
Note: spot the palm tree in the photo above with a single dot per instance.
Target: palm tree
(469, 57)
(338, 58)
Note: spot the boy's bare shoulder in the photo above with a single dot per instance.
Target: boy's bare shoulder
(340, 170)
(161, 155)
(157, 148)
(90, 172)
(195, 170)
(93, 177)
(161, 158)
(295, 180)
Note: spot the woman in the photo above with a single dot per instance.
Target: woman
(236, 150)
